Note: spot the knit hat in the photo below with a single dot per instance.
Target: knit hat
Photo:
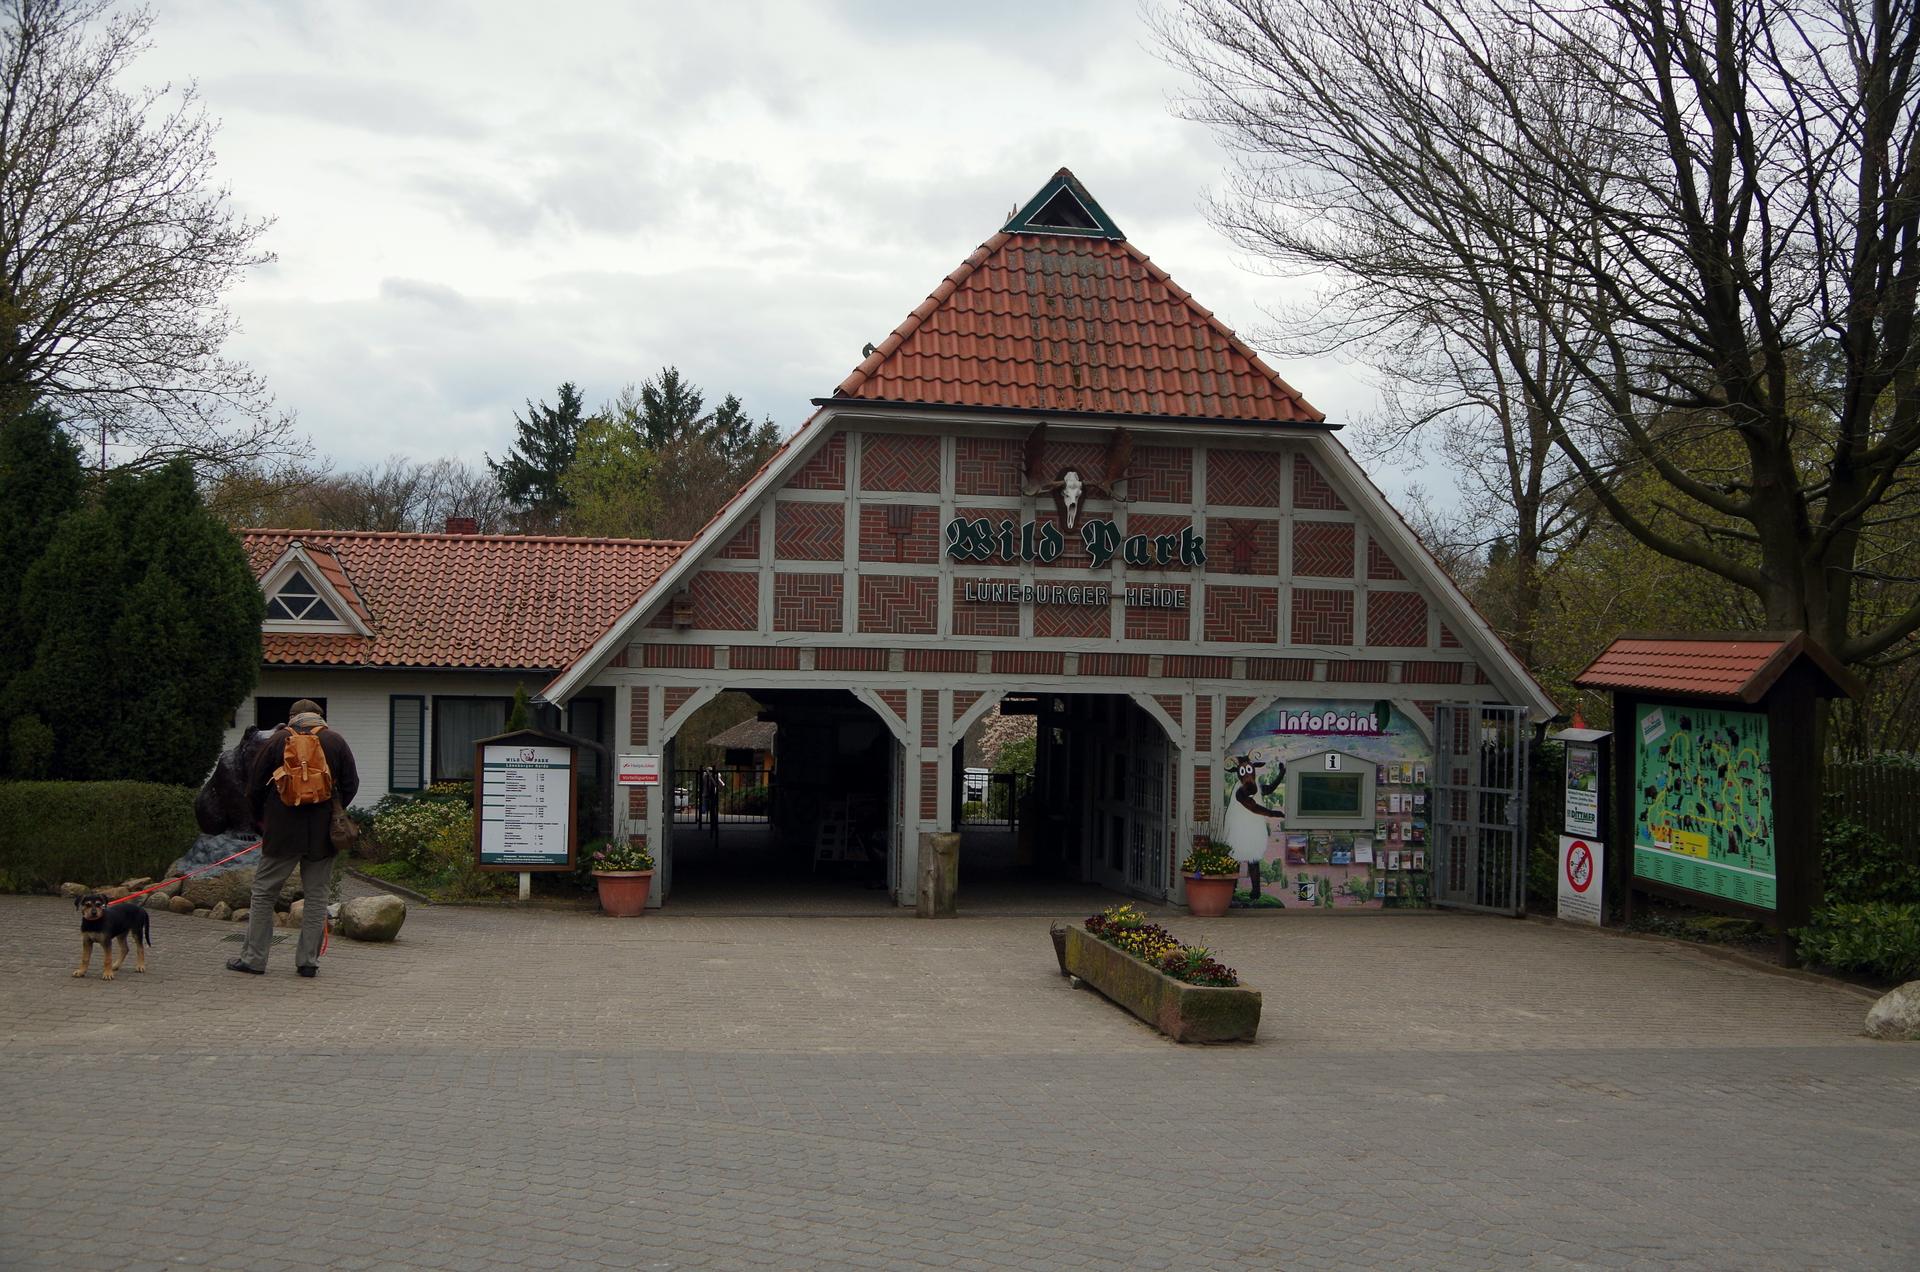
(306, 706)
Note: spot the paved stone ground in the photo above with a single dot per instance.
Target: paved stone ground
(547, 1090)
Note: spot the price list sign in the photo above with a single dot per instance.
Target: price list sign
(526, 806)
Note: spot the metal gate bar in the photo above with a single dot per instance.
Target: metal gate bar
(1480, 799)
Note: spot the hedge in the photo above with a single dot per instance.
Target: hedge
(90, 832)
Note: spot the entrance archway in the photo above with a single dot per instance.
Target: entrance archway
(797, 809)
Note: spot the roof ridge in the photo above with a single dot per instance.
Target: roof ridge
(493, 536)
(918, 314)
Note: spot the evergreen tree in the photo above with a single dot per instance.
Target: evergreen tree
(670, 410)
(530, 475)
(144, 618)
(40, 482)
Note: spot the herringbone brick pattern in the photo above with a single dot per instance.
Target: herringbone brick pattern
(808, 531)
(1239, 545)
(1160, 624)
(1379, 564)
(1242, 615)
(1161, 474)
(899, 604)
(899, 461)
(1311, 490)
(1075, 556)
(1154, 524)
(987, 465)
(1322, 616)
(1447, 639)
(982, 618)
(1086, 458)
(1323, 549)
(725, 602)
(1397, 619)
(1072, 622)
(807, 602)
(745, 544)
(905, 535)
(827, 470)
(1243, 478)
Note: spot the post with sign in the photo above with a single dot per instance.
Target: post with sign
(1583, 887)
(525, 801)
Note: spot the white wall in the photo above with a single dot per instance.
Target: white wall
(357, 707)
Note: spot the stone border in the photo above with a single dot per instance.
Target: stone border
(1185, 1013)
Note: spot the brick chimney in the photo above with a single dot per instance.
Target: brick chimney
(463, 525)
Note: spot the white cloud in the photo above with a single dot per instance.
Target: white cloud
(474, 203)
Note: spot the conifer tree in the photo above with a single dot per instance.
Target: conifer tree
(40, 482)
(542, 451)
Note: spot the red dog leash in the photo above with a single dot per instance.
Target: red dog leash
(190, 874)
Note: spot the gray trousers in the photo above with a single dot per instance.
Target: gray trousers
(272, 875)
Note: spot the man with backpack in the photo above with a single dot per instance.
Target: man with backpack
(302, 780)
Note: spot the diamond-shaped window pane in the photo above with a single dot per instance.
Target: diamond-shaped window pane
(297, 585)
(319, 613)
(276, 608)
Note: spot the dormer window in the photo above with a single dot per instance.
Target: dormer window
(300, 602)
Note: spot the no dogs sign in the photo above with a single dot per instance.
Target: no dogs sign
(1580, 874)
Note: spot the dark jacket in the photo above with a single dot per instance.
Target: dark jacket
(305, 831)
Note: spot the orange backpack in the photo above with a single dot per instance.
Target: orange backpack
(303, 776)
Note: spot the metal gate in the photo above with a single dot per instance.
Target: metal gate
(1480, 798)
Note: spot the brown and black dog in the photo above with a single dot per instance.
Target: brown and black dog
(102, 923)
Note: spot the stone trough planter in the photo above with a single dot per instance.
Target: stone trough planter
(1185, 1013)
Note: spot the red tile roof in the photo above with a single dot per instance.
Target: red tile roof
(1742, 665)
(1051, 322)
(336, 574)
(520, 602)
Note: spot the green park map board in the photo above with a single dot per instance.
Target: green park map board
(1703, 802)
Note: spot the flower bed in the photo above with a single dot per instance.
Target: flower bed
(1180, 990)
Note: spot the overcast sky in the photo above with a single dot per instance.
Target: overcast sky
(476, 202)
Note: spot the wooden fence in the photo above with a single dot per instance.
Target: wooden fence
(1884, 798)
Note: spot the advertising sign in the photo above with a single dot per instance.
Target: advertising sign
(639, 770)
(526, 798)
(1703, 802)
(1582, 812)
(1581, 869)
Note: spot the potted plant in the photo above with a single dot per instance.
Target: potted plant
(1211, 873)
(623, 872)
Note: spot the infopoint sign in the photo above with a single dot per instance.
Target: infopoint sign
(1043, 543)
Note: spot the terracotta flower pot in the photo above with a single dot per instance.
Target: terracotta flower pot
(623, 893)
(1208, 896)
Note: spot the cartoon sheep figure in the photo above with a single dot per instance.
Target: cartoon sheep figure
(1244, 828)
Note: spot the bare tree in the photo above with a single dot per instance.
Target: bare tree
(396, 494)
(116, 247)
(1704, 211)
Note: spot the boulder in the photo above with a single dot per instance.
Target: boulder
(296, 912)
(71, 890)
(156, 901)
(115, 893)
(284, 919)
(222, 911)
(180, 905)
(1897, 1014)
(132, 885)
(240, 916)
(232, 888)
(169, 889)
(232, 882)
(202, 912)
(373, 918)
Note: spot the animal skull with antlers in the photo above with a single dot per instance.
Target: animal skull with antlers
(1070, 487)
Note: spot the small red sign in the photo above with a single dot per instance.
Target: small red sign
(1579, 865)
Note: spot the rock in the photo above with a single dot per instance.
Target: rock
(169, 890)
(222, 911)
(115, 893)
(240, 916)
(71, 890)
(233, 888)
(180, 905)
(295, 912)
(155, 901)
(202, 912)
(132, 885)
(372, 918)
(232, 882)
(1897, 1014)
(284, 919)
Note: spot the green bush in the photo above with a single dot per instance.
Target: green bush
(90, 832)
(1875, 937)
(1858, 866)
(409, 830)
(752, 801)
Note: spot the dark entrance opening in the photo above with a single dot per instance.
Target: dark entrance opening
(1086, 800)
(791, 807)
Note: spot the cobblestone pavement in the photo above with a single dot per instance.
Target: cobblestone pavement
(546, 1090)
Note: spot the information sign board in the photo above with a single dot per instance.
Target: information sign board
(1581, 872)
(1582, 811)
(1703, 802)
(639, 770)
(526, 799)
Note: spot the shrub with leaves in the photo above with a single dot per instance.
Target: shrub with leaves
(407, 832)
(1859, 866)
(1875, 937)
